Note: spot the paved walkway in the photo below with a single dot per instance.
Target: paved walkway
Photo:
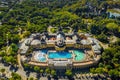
(22, 74)
(105, 46)
(19, 62)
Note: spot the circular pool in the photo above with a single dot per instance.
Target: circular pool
(40, 57)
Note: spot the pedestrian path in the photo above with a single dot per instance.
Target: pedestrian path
(19, 62)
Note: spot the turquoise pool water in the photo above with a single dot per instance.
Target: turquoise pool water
(79, 55)
(40, 56)
(42, 59)
(64, 54)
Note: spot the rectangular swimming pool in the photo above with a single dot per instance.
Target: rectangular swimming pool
(63, 54)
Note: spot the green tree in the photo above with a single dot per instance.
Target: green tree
(101, 65)
(15, 76)
(92, 70)
(95, 29)
(36, 68)
(15, 38)
(10, 59)
(41, 71)
(47, 70)
(99, 70)
(26, 34)
(53, 72)
(2, 70)
(68, 72)
(31, 78)
(103, 38)
(114, 73)
(2, 54)
(14, 47)
(112, 27)
(26, 66)
(1, 41)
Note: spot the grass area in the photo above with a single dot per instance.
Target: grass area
(114, 11)
(54, 30)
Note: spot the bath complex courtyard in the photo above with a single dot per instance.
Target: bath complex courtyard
(60, 50)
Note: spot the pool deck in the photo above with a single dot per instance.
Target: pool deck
(88, 61)
(75, 64)
(43, 64)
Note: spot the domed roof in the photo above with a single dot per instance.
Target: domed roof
(90, 40)
(35, 42)
(85, 42)
(60, 36)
